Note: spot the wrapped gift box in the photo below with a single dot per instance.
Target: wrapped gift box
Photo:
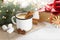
(44, 16)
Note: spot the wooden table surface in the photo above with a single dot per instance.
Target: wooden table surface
(15, 35)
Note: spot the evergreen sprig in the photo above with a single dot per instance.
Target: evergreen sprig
(7, 11)
(10, 9)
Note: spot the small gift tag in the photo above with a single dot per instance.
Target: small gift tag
(36, 15)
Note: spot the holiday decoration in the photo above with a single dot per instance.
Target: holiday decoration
(36, 17)
(56, 12)
(56, 19)
(7, 11)
(54, 8)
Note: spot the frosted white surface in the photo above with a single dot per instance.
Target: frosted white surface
(46, 33)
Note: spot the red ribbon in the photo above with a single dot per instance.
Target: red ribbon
(53, 7)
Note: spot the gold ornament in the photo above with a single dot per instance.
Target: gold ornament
(56, 20)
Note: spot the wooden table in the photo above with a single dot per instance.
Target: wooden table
(14, 35)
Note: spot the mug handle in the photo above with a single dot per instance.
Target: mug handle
(12, 19)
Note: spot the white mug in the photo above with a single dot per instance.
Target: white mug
(23, 24)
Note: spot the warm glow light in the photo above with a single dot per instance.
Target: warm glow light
(10, 0)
